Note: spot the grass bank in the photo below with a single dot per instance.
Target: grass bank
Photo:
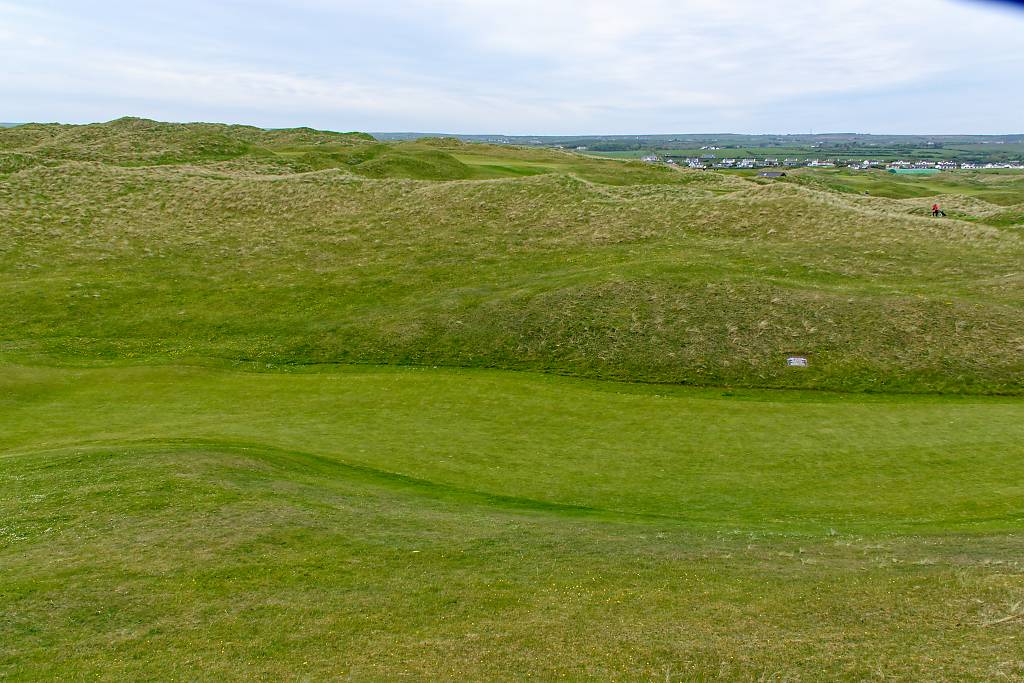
(165, 522)
(294, 251)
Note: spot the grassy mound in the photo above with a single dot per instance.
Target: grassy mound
(322, 248)
(132, 141)
(407, 161)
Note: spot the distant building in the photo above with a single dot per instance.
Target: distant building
(772, 174)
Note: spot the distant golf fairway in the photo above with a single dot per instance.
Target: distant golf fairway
(359, 523)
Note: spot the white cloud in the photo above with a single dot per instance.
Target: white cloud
(739, 50)
(501, 65)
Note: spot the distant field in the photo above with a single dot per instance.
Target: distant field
(839, 145)
(300, 405)
(960, 152)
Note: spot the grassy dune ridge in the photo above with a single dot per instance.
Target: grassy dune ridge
(663, 276)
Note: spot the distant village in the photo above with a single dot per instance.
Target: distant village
(711, 161)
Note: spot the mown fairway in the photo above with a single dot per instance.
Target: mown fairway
(374, 523)
(292, 405)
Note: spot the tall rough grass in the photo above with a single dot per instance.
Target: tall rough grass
(587, 266)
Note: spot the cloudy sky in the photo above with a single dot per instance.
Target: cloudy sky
(521, 66)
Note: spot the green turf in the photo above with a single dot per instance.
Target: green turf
(180, 522)
(752, 459)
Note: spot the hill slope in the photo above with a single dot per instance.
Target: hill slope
(137, 241)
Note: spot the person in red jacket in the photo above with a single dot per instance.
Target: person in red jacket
(937, 211)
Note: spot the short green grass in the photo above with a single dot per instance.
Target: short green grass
(753, 459)
(170, 523)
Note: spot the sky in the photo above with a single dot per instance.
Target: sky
(521, 66)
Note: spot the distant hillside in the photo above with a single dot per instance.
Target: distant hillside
(136, 240)
(766, 140)
(842, 146)
(141, 141)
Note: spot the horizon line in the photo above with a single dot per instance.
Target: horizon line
(524, 135)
